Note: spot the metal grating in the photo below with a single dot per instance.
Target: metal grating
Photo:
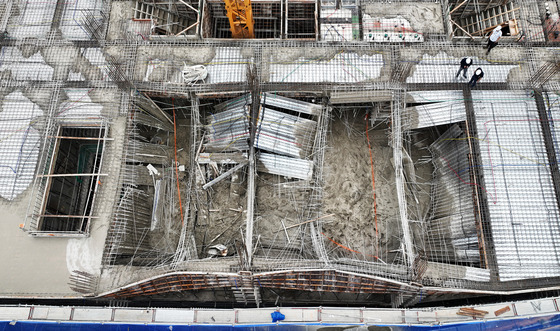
(517, 180)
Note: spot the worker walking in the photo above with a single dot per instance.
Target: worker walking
(464, 66)
(494, 37)
(476, 77)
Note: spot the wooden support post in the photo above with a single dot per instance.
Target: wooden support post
(157, 107)
(188, 5)
(460, 28)
(187, 29)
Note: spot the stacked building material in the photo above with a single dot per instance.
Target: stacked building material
(285, 134)
(284, 129)
(285, 166)
(228, 130)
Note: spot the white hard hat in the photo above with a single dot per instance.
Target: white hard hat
(478, 71)
(498, 28)
(469, 60)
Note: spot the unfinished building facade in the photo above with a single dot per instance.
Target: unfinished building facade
(336, 158)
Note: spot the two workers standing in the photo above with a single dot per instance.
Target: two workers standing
(464, 66)
(466, 62)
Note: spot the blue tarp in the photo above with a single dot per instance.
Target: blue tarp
(277, 316)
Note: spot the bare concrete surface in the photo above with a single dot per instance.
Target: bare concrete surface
(41, 266)
(120, 12)
(30, 266)
(318, 55)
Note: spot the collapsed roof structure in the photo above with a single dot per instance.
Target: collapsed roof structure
(335, 159)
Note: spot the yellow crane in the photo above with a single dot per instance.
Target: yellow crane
(240, 17)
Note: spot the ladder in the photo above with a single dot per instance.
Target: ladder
(245, 291)
(240, 16)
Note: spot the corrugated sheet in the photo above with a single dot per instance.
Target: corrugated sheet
(243, 100)
(73, 16)
(277, 132)
(442, 107)
(19, 144)
(433, 96)
(522, 203)
(228, 130)
(285, 166)
(290, 104)
(442, 271)
(284, 134)
(228, 66)
(336, 24)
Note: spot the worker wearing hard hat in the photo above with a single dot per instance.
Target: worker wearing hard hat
(494, 37)
(476, 77)
(464, 66)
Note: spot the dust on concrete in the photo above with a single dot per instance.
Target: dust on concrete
(121, 12)
(173, 59)
(423, 17)
(288, 55)
(282, 207)
(348, 189)
(53, 56)
(222, 214)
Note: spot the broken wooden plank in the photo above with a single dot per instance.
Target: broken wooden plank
(221, 158)
(502, 311)
(472, 312)
(224, 175)
(457, 7)
(461, 28)
(465, 313)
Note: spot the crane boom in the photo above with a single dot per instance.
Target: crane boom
(240, 15)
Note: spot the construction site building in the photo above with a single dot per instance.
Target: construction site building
(327, 152)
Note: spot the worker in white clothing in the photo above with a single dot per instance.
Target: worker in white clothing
(494, 37)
